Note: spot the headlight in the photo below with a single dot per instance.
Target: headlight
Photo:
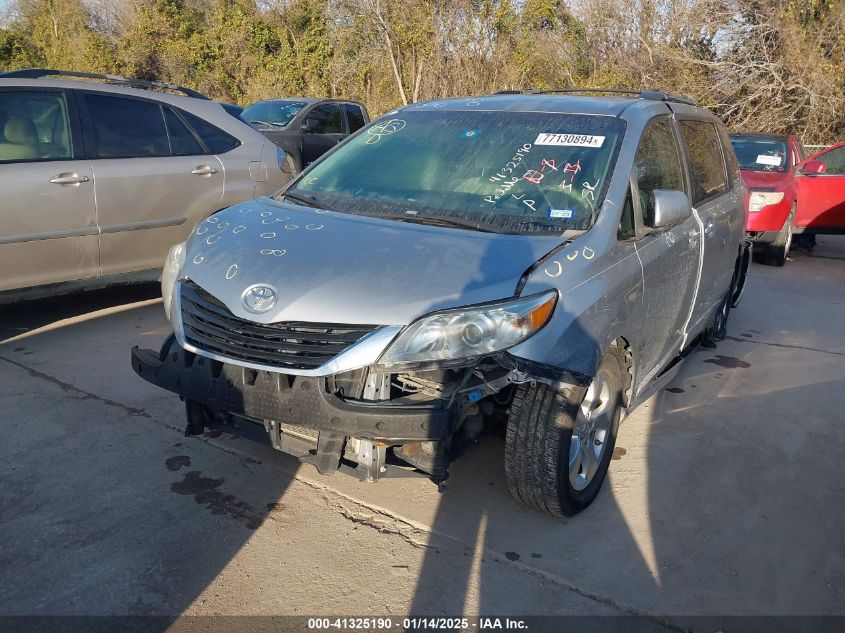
(170, 273)
(468, 332)
(760, 199)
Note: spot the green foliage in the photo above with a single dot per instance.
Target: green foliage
(787, 73)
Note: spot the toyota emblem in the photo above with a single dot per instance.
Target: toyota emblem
(259, 299)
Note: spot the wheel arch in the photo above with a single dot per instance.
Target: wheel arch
(623, 348)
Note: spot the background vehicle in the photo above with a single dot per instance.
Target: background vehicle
(767, 163)
(100, 179)
(306, 128)
(459, 263)
(821, 193)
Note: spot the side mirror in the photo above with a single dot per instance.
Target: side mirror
(670, 208)
(813, 167)
(311, 125)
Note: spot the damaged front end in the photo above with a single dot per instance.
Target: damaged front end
(341, 396)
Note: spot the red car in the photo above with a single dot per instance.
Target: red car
(768, 165)
(820, 186)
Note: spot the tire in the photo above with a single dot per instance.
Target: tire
(778, 251)
(545, 450)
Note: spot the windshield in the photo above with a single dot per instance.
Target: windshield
(513, 172)
(274, 113)
(760, 154)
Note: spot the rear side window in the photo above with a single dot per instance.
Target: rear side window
(182, 140)
(707, 165)
(657, 165)
(327, 119)
(834, 161)
(354, 117)
(127, 128)
(33, 126)
(216, 140)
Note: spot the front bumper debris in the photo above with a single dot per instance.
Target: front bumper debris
(299, 400)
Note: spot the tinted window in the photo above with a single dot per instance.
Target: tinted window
(707, 166)
(760, 154)
(33, 126)
(354, 117)
(834, 161)
(515, 172)
(215, 139)
(125, 128)
(328, 119)
(182, 140)
(657, 165)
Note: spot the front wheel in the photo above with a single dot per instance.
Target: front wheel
(559, 443)
(778, 251)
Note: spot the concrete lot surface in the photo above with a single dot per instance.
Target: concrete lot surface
(725, 495)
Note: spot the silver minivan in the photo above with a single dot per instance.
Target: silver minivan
(537, 260)
(101, 177)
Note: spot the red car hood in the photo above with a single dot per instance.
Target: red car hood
(755, 179)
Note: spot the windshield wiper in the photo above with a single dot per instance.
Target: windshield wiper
(307, 200)
(451, 222)
(267, 123)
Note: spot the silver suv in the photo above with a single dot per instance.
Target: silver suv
(532, 259)
(100, 179)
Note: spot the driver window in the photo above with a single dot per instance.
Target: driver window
(657, 165)
(329, 119)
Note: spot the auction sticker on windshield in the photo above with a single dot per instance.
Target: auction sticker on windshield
(569, 140)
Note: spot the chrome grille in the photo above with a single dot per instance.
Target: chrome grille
(208, 325)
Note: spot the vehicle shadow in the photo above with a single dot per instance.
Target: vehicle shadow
(113, 511)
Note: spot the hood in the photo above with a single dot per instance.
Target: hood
(755, 179)
(329, 267)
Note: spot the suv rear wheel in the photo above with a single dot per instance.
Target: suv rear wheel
(559, 443)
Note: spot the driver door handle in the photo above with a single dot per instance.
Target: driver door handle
(68, 178)
(203, 170)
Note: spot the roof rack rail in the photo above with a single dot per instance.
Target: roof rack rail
(38, 73)
(653, 95)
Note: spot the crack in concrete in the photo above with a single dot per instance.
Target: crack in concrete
(784, 345)
(384, 520)
(66, 387)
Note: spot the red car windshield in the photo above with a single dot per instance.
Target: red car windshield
(760, 154)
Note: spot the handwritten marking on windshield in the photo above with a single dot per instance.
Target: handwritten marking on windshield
(313, 227)
(268, 236)
(198, 258)
(212, 239)
(380, 130)
(310, 180)
(238, 229)
(233, 270)
(534, 176)
(472, 103)
(589, 191)
(291, 227)
(591, 254)
(222, 225)
(278, 252)
(572, 256)
(528, 203)
(515, 160)
(213, 220)
(266, 214)
(202, 229)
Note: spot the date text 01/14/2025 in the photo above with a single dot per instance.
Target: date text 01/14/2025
(415, 623)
